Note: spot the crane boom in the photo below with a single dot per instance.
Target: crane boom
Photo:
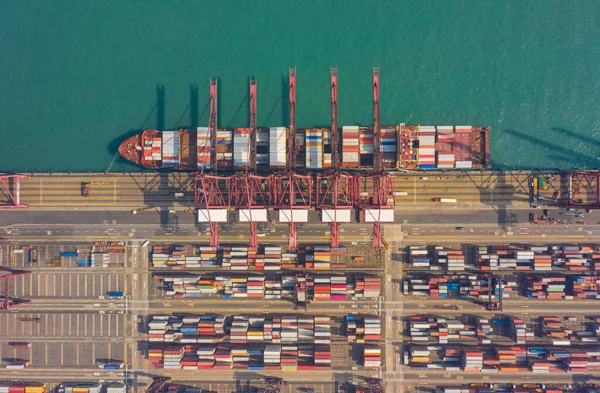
(253, 130)
(376, 122)
(334, 119)
(292, 130)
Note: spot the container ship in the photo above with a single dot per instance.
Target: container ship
(402, 147)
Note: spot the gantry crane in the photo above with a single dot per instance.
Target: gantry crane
(212, 201)
(7, 274)
(14, 197)
(274, 385)
(249, 191)
(250, 195)
(157, 384)
(334, 189)
(291, 192)
(580, 185)
(377, 187)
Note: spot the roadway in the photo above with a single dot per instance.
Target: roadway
(131, 190)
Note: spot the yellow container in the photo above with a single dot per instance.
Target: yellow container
(81, 390)
(35, 389)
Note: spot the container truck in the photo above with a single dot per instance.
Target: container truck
(114, 294)
(68, 254)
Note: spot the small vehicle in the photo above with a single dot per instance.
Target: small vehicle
(460, 228)
(85, 189)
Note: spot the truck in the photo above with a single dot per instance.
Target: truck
(68, 254)
(18, 345)
(444, 200)
(113, 365)
(85, 189)
(33, 255)
(114, 294)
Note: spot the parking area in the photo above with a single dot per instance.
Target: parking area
(30, 256)
(59, 284)
(65, 354)
(73, 326)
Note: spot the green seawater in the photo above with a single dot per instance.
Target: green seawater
(76, 77)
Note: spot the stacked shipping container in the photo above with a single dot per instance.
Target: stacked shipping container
(203, 147)
(170, 148)
(350, 147)
(426, 150)
(277, 147)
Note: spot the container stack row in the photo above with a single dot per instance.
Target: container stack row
(24, 387)
(323, 257)
(363, 328)
(80, 388)
(441, 330)
(277, 147)
(255, 357)
(546, 287)
(225, 258)
(419, 257)
(443, 258)
(372, 357)
(449, 259)
(350, 147)
(538, 258)
(504, 359)
(520, 331)
(277, 287)
(203, 147)
(473, 286)
(170, 148)
(91, 388)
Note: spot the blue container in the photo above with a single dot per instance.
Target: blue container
(427, 166)
(350, 318)
(227, 296)
(112, 367)
(83, 262)
(114, 294)
(256, 368)
(68, 254)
